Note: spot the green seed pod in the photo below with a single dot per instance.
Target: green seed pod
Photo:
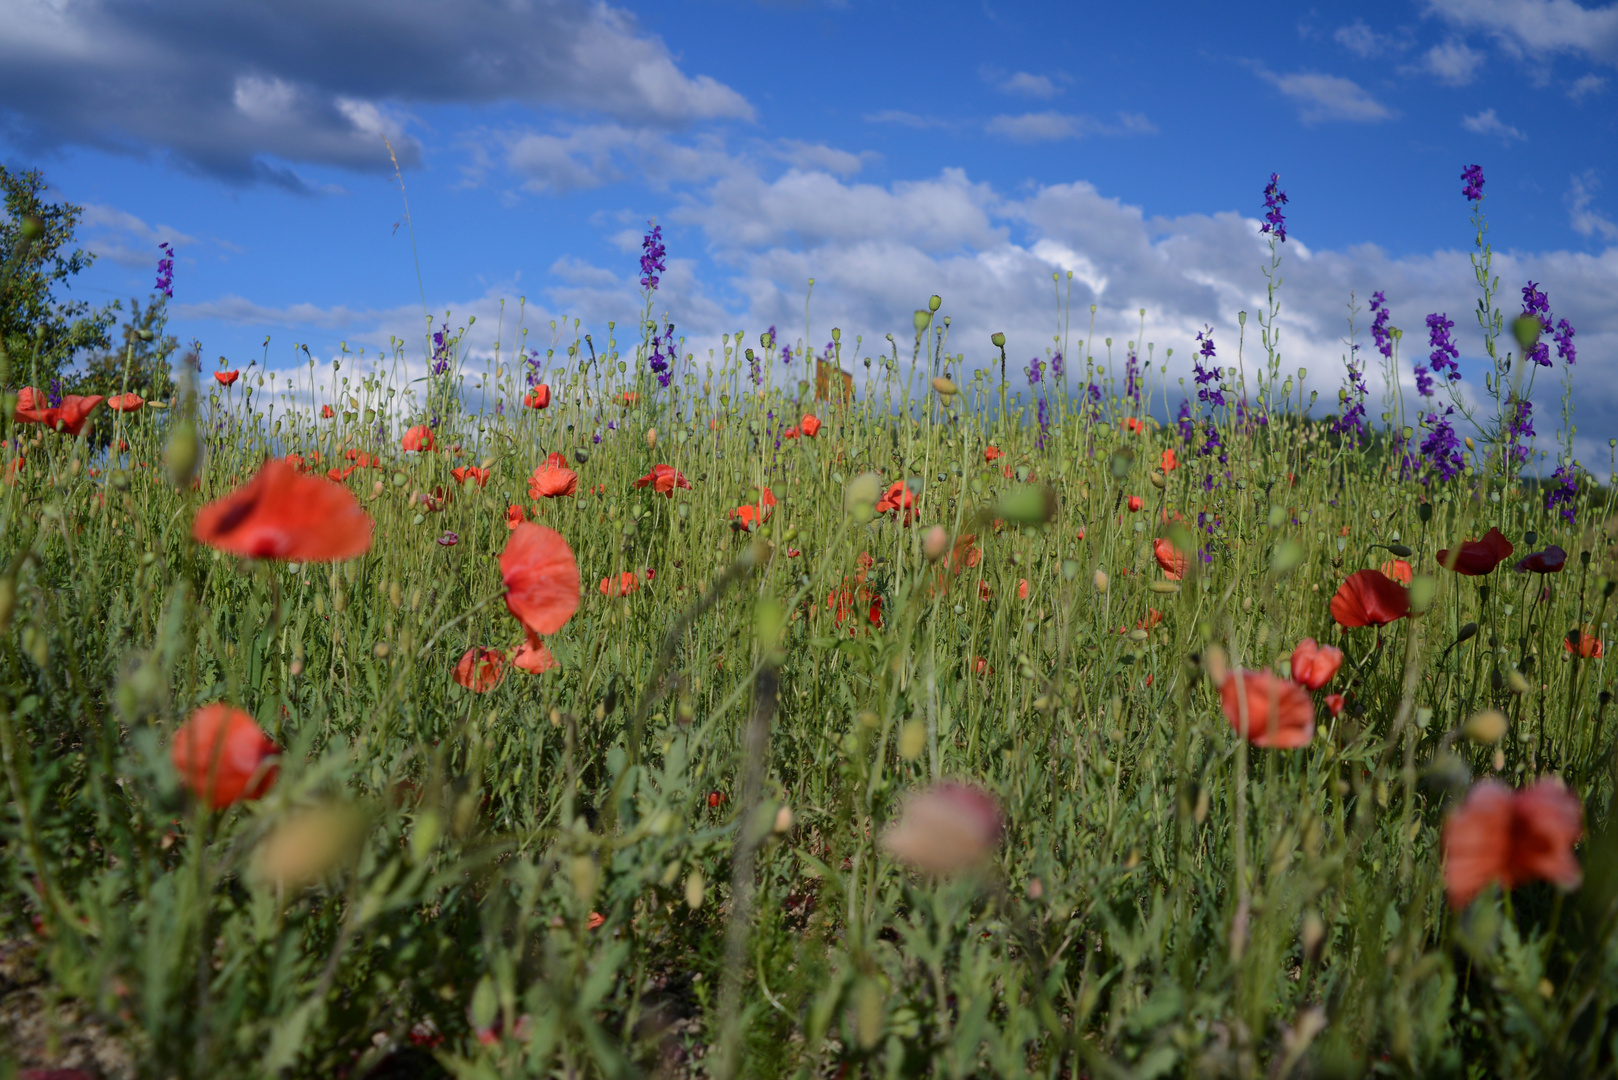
(921, 318)
(183, 453)
(935, 302)
(998, 339)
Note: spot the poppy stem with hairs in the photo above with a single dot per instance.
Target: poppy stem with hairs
(52, 900)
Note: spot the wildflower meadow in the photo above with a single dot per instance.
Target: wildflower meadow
(806, 709)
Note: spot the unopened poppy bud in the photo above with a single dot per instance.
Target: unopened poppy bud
(860, 497)
(694, 888)
(944, 387)
(912, 740)
(651, 437)
(998, 339)
(1469, 445)
(921, 318)
(935, 302)
(1216, 664)
(870, 1013)
(1027, 505)
(1158, 480)
(1101, 581)
(307, 845)
(783, 819)
(183, 453)
(583, 871)
(1485, 728)
(1312, 936)
(1515, 680)
(935, 543)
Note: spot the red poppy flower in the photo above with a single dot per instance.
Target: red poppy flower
(984, 592)
(1334, 702)
(223, 756)
(1134, 425)
(532, 656)
(480, 670)
(419, 439)
(1314, 665)
(980, 666)
(327, 412)
(297, 462)
(1549, 561)
(992, 453)
(874, 614)
(1583, 644)
(1135, 503)
(1279, 712)
(463, 473)
(616, 585)
(33, 407)
(541, 577)
(745, 518)
(126, 403)
(664, 479)
(715, 799)
(898, 497)
(629, 398)
(1169, 558)
(965, 553)
(226, 378)
(1022, 588)
(1512, 837)
(340, 474)
(1151, 619)
(1369, 598)
(539, 397)
(553, 479)
(1478, 557)
(515, 515)
(283, 514)
(1399, 571)
(1167, 462)
(809, 425)
(596, 921)
(70, 416)
(790, 432)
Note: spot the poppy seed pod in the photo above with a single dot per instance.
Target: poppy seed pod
(944, 386)
(1101, 581)
(183, 453)
(935, 543)
(1485, 728)
(998, 339)
(651, 438)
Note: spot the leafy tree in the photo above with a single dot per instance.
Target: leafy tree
(138, 363)
(40, 333)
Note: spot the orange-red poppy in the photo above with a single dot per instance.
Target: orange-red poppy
(419, 439)
(340, 474)
(1512, 837)
(809, 425)
(1151, 619)
(553, 479)
(1170, 558)
(284, 514)
(664, 479)
(1135, 503)
(745, 518)
(1479, 557)
(1583, 644)
(226, 378)
(965, 553)
(1369, 598)
(1022, 588)
(623, 584)
(1334, 703)
(898, 497)
(1279, 712)
(629, 398)
(541, 578)
(463, 473)
(480, 670)
(980, 666)
(1134, 425)
(327, 412)
(130, 402)
(532, 656)
(790, 431)
(1549, 561)
(1398, 570)
(33, 407)
(70, 416)
(223, 756)
(515, 515)
(1314, 665)
(538, 398)
(984, 592)
(1167, 462)
(992, 453)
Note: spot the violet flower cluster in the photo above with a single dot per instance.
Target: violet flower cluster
(651, 259)
(1205, 376)
(443, 344)
(1381, 336)
(1352, 399)
(1473, 178)
(1445, 357)
(1058, 368)
(661, 362)
(1537, 304)
(1442, 447)
(1563, 491)
(1274, 199)
(165, 271)
(1132, 378)
(1188, 429)
(1519, 429)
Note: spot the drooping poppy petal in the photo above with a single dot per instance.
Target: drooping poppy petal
(1584, 644)
(515, 515)
(1170, 558)
(1314, 665)
(480, 670)
(418, 440)
(223, 756)
(75, 411)
(284, 514)
(553, 479)
(1399, 570)
(663, 480)
(226, 378)
(532, 656)
(1279, 712)
(33, 407)
(541, 578)
(1478, 557)
(126, 403)
(1369, 598)
(1498, 835)
(1549, 561)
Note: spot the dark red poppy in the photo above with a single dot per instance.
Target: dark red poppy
(226, 378)
(1135, 425)
(223, 756)
(340, 474)
(419, 439)
(541, 577)
(1335, 702)
(790, 432)
(1135, 503)
(1512, 837)
(663, 480)
(283, 514)
(1479, 557)
(1549, 561)
(1369, 598)
(70, 416)
(744, 518)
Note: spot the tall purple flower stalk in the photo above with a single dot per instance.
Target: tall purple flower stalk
(1058, 368)
(1519, 429)
(1442, 447)
(1204, 377)
(1043, 413)
(443, 344)
(1381, 337)
(1352, 399)
(1473, 178)
(165, 271)
(1564, 490)
(1444, 357)
(1131, 375)
(1274, 199)
(1537, 304)
(1188, 429)
(651, 259)
(661, 362)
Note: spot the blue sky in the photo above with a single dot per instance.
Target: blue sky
(889, 150)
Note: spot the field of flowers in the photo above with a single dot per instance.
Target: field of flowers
(613, 711)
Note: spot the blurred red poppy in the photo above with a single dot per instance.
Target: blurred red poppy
(1583, 644)
(984, 592)
(223, 756)
(898, 497)
(616, 585)
(629, 398)
(538, 398)
(480, 670)
(809, 425)
(553, 479)
(664, 479)
(515, 515)
(745, 518)
(1135, 503)
(1279, 712)
(1498, 835)
(1314, 665)
(532, 656)
(1398, 570)
(1369, 598)
(1334, 703)
(1169, 558)
(541, 578)
(1549, 561)
(463, 473)
(70, 416)
(1134, 425)
(1022, 588)
(980, 666)
(419, 439)
(790, 431)
(340, 474)
(126, 403)
(283, 514)
(226, 378)
(992, 453)
(1478, 557)
(327, 412)
(965, 553)
(1167, 462)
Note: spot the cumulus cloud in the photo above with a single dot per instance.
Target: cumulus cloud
(123, 238)
(1585, 85)
(249, 91)
(1051, 126)
(1585, 220)
(1539, 27)
(1322, 97)
(1453, 62)
(1022, 83)
(1364, 42)
(1488, 123)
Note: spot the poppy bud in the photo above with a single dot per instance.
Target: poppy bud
(870, 1013)
(1400, 550)
(783, 819)
(694, 888)
(860, 497)
(1135, 503)
(935, 302)
(1158, 480)
(998, 339)
(912, 740)
(921, 318)
(183, 453)
(1485, 728)
(1101, 581)
(651, 438)
(935, 543)
(945, 387)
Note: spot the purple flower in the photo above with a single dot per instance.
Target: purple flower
(54, 395)
(1563, 491)
(1044, 416)
(1519, 427)
(1442, 446)
(1564, 341)
(1213, 443)
(754, 368)
(449, 539)
(165, 271)
(1380, 336)
(1057, 367)
(1535, 303)
(443, 345)
(1444, 355)
(1131, 375)
(1274, 199)
(1424, 382)
(651, 259)
(1473, 191)
(661, 362)
(1033, 371)
(1352, 400)
(1204, 376)
(1188, 430)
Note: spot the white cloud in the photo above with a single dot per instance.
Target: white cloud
(1585, 221)
(1362, 41)
(1585, 85)
(1488, 123)
(1051, 126)
(1453, 62)
(1027, 85)
(1327, 97)
(906, 119)
(805, 155)
(123, 238)
(1539, 27)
